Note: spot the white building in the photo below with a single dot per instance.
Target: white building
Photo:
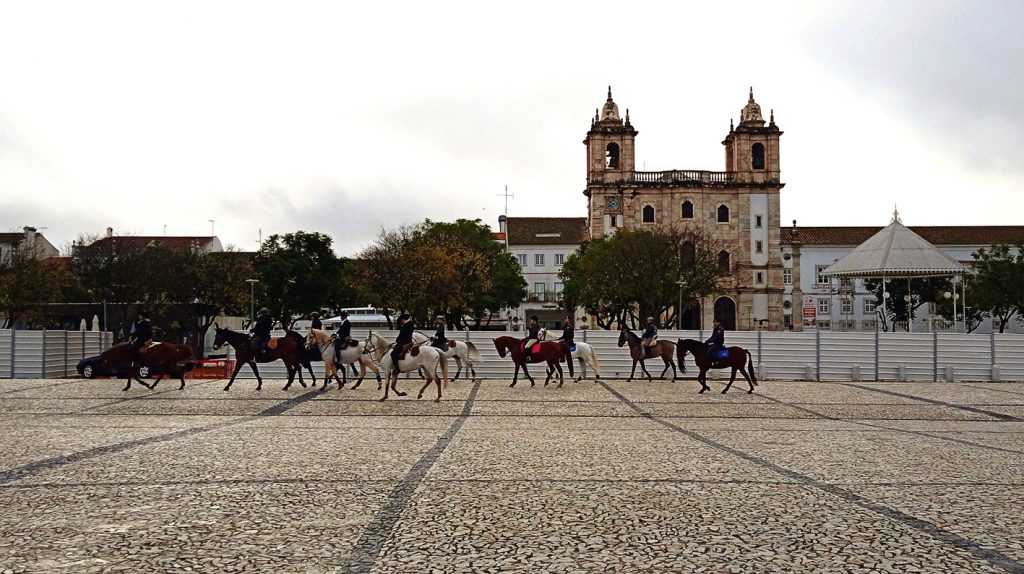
(29, 238)
(542, 244)
(812, 301)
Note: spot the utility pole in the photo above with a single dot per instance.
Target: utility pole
(506, 195)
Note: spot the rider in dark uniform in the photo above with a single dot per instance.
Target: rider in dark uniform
(439, 340)
(405, 330)
(717, 341)
(568, 332)
(532, 334)
(344, 336)
(650, 337)
(261, 332)
(141, 335)
(315, 323)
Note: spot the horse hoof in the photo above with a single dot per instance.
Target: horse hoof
(419, 396)
(382, 400)
(402, 394)
(723, 392)
(225, 388)
(437, 400)
(748, 392)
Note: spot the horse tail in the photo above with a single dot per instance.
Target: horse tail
(474, 353)
(750, 363)
(681, 355)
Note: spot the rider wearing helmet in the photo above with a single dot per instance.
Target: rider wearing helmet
(315, 323)
(344, 336)
(650, 336)
(142, 333)
(717, 341)
(261, 332)
(406, 326)
(532, 334)
(439, 339)
(568, 333)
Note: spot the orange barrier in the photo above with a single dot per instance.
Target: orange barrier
(212, 369)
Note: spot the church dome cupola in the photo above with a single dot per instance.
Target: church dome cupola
(610, 112)
(750, 115)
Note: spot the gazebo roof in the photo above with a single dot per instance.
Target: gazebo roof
(895, 251)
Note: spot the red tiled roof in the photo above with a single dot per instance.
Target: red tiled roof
(936, 235)
(156, 240)
(498, 236)
(59, 262)
(546, 230)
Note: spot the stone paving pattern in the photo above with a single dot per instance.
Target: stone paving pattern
(593, 477)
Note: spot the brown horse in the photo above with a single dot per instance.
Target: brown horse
(291, 349)
(637, 351)
(550, 352)
(161, 358)
(739, 358)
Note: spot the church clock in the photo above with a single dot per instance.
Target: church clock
(613, 203)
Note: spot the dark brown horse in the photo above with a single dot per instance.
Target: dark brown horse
(550, 352)
(162, 359)
(663, 349)
(291, 349)
(738, 360)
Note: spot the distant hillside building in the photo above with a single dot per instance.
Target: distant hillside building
(208, 243)
(29, 238)
(738, 206)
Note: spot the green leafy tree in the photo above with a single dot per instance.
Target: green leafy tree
(972, 316)
(998, 288)
(924, 290)
(26, 284)
(298, 272)
(642, 272)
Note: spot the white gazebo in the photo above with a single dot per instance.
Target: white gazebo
(896, 252)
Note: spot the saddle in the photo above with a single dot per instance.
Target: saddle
(451, 344)
(719, 356)
(272, 343)
(535, 348)
(145, 346)
(572, 348)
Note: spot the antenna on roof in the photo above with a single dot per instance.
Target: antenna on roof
(506, 195)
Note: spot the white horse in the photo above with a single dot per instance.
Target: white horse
(418, 356)
(584, 353)
(461, 351)
(349, 355)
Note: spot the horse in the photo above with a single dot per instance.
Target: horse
(663, 349)
(551, 352)
(584, 353)
(161, 358)
(316, 338)
(289, 349)
(417, 356)
(461, 351)
(739, 358)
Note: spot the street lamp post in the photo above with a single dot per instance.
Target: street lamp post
(252, 299)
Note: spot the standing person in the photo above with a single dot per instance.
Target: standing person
(405, 328)
(344, 337)
(650, 337)
(261, 332)
(717, 341)
(316, 323)
(142, 334)
(532, 334)
(568, 332)
(439, 339)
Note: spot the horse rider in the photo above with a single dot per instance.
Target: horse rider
(650, 337)
(568, 332)
(344, 337)
(142, 334)
(439, 340)
(717, 341)
(532, 334)
(316, 323)
(260, 332)
(406, 326)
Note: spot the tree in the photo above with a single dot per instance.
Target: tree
(972, 316)
(25, 284)
(924, 290)
(220, 287)
(298, 272)
(999, 285)
(642, 272)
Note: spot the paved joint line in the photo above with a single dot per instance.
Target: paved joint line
(967, 408)
(33, 468)
(996, 390)
(368, 546)
(993, 557)
(67, 382)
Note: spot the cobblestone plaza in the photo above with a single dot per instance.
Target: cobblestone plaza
(593, 477)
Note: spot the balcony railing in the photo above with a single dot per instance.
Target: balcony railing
(682, 176)
(545, 297)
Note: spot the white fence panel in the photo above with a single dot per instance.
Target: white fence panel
(28, 355)
(969, 355)
(1009, 356)
(786, 355)
(6, 354)
(54, 354)
(913, 351)
(841, 352)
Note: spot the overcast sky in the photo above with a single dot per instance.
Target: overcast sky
(347, 117)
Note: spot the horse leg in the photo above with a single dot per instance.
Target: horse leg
(437, 381)
(128, 382)
(550, 372)
(632, 372)
(702, 379)
(561, 377)
(394, 386)
(231, 381)
(643, 369)
(458, 367)
(527, 375)
(291, 376)
(665, 370)
(515, 376)
(259, 379)
(158, 379)
(424, 387)
(743, 370)
(181, 378)
(387, 388)
(731, 379)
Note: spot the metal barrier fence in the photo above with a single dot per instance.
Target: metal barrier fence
(816, 356)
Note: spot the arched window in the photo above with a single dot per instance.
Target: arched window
(648, 214)
(725, 311)
(723, 214)
(611, 156)
(723, 261)
(757, 156)
(688, 254)
(687, 210)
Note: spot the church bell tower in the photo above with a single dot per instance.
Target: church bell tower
(611, 152)
(752, 148)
